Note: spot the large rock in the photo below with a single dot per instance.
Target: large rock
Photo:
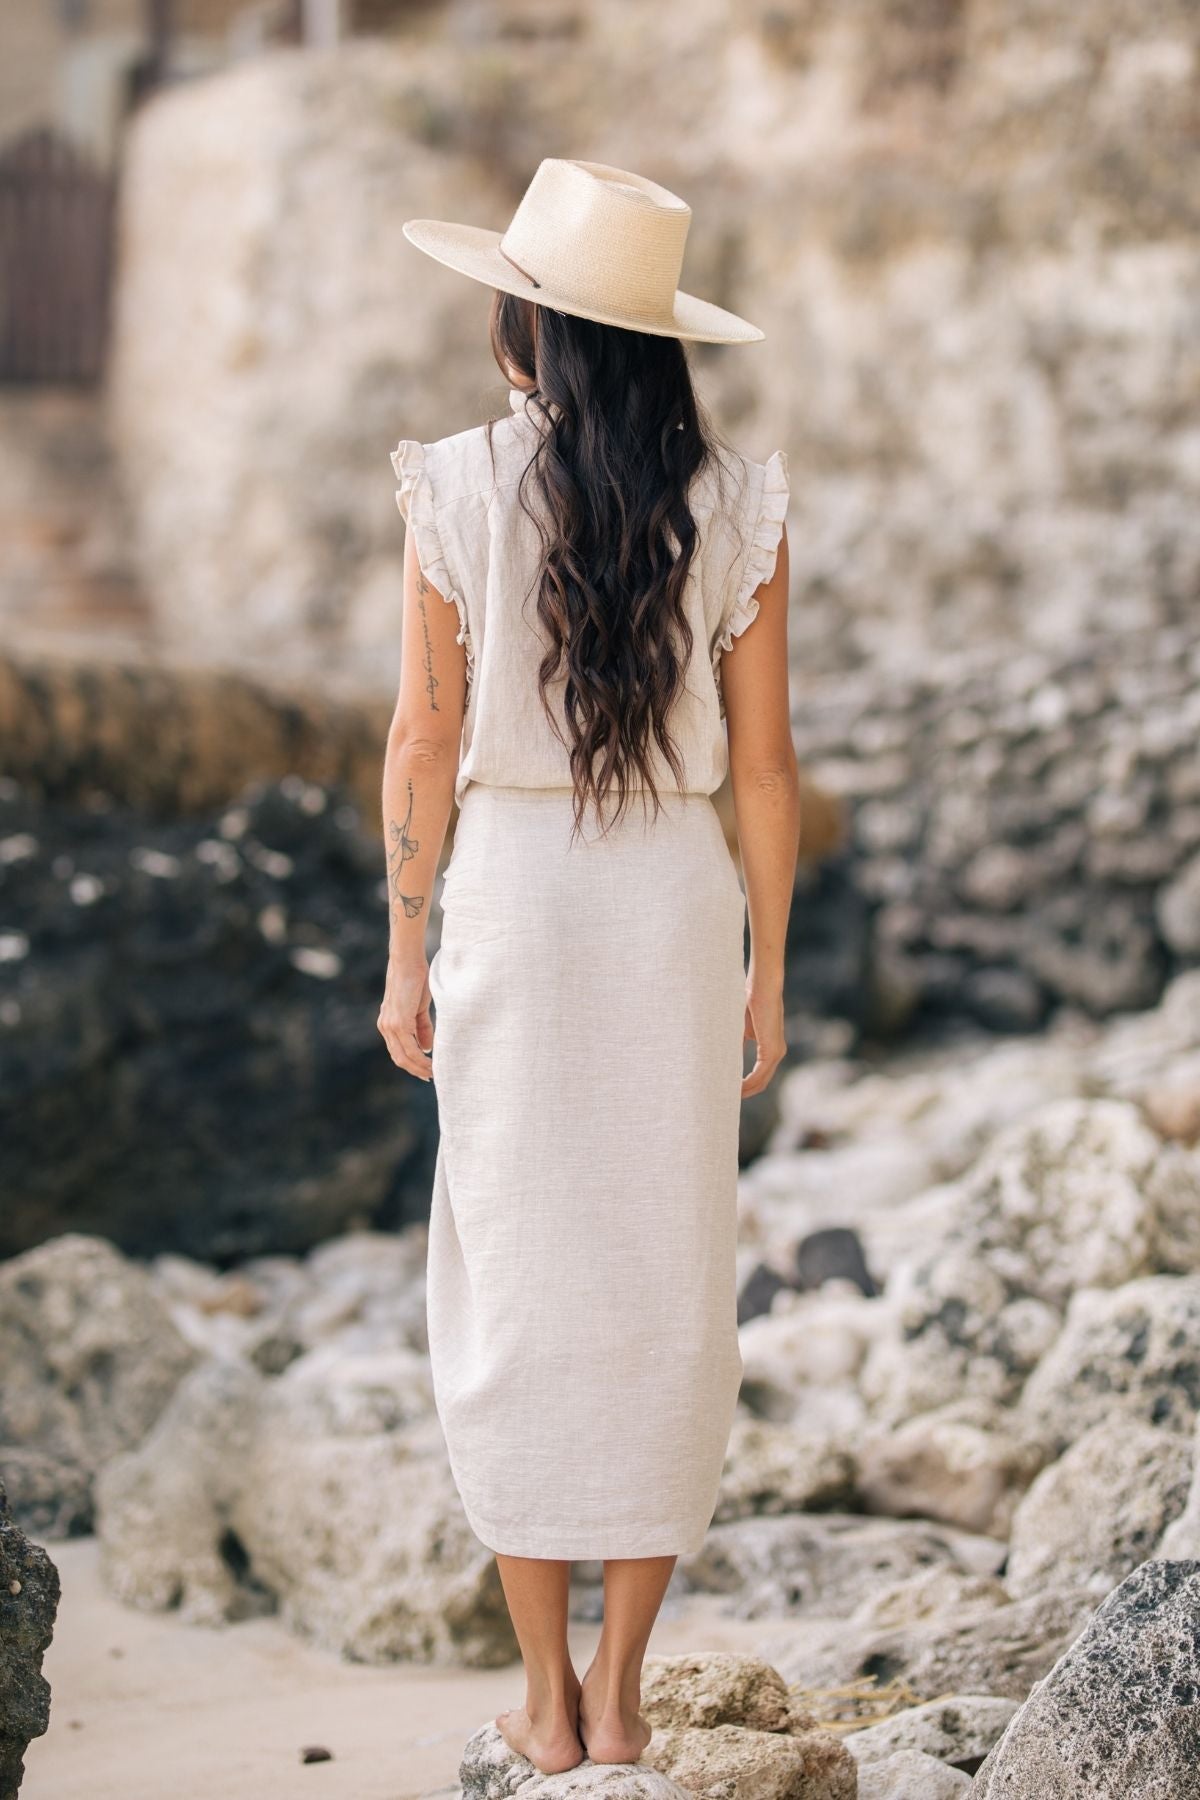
(29, 1596)
(274, 576)
(963, 1464)
(911, 1775)
(89, 1358)
(1082, 1194)
(195, 1028)
(772, 1468)
(1098, 1512)
(492, 1770)
(361, 1292)
(981, 1648)
(959, 1731)
(717, 1687)
(324, 1494)
(1118, 1717)
(807, 1346)
(726, 1762)
(1132, 1354)
(824, 1563)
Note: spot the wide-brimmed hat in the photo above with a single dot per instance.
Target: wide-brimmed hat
(598, 242)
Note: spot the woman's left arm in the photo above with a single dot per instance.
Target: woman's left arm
(420, 768)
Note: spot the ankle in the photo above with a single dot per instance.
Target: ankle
(613, 1697)
(551, 1707)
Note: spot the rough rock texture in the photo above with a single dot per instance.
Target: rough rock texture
(1013, 832)
(89, 1357)
(29, 1596)
(938, 1593)
(1082, 1193)
(1118, 1716)
(1133, 1354)
(725, 1726)
(892, 1143)
(911, 1775)
(1181, 1540)
(1098, 1512)
(959, 1731)
(189, 1014)
(716, 1687)
(982, 1648)
(962, 1463)
(490, 1770)
(777, 1469)
(727, 1762)
(765, 1567)
(324, 1494)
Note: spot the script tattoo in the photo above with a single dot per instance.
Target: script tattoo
(402, 848)
(431, 680)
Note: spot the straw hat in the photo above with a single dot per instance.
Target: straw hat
(598, 242)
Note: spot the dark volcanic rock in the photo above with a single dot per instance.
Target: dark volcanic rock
(1118, 1716)
(834, 1253)
(188, 1018)
(29, 1595)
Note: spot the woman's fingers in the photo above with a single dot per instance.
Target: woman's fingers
(409, 1048)
(770, 1046)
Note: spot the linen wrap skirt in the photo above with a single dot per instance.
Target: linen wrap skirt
(589, 1000)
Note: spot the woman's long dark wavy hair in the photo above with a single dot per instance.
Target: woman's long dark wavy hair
(611, 473)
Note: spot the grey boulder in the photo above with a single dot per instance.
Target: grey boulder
(1118, 1716)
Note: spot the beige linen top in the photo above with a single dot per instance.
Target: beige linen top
(481, 551)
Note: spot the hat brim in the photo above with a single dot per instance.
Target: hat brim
(474, 250)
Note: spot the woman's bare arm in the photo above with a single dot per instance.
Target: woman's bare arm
(419, 772)
(765, 782)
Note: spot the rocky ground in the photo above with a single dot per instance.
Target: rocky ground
(961, 1495)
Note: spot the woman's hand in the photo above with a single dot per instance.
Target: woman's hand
(764, 1025)
(404, 1017)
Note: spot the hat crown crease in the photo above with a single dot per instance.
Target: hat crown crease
(602, 237)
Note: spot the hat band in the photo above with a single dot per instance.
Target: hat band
(516, 265)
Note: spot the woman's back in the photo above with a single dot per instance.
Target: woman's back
(480, 548)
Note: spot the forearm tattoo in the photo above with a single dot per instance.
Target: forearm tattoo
(431, 680)
(402, 848)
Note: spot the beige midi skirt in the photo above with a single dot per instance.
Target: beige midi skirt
(589, 1000)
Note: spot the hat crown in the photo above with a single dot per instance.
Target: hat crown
(601, 237)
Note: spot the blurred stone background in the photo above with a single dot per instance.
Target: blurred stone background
(969, 1259)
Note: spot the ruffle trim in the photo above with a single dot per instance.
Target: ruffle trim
(415, 499)
(760, 559)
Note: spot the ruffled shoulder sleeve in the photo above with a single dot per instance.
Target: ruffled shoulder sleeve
(418, 507)
(765, 506)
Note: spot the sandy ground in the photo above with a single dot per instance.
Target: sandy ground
(146, 1708)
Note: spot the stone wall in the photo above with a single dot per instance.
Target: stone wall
(1022, 835)
(968, 231)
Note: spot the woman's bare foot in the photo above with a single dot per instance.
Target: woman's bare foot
(551, 1743)
(611, 1733)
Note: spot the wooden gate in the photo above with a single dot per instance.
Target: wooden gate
(56, 229)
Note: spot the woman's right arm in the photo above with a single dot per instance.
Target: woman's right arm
(765, 783)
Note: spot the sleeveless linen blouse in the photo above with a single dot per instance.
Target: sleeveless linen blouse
(481, 550)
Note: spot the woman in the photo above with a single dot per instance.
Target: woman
(601, 555)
